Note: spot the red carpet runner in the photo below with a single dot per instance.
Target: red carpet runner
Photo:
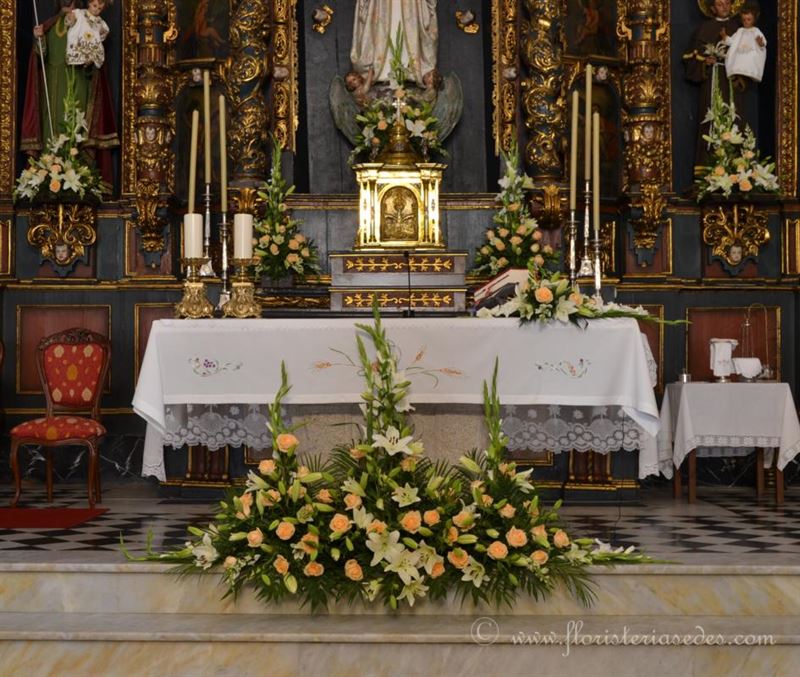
(47, 518)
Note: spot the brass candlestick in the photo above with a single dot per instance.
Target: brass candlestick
(195, 303)
(586, 268)
(243, 301)
(573, 258)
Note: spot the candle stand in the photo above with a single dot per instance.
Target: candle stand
(597, 268)
(243, 302)
(586, 262)
(224, 234)
(573, 258)
(207, 269)
(195, 303)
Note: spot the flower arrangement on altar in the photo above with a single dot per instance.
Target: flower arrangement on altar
(376, 119)
(516, 240)
(737, 167)
(61, 173)
(278, 245)
(380, 522)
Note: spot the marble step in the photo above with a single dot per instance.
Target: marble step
(275, 645)
(641, 590)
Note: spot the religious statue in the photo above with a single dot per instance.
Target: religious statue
(53, 61)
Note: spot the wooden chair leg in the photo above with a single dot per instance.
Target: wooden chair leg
(677, 488)
(49, 456)
(692, 476)
(14, 460)
(759, 472)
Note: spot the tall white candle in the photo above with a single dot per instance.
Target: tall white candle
(243, 236)
(223, 157)
(573, 152)
(193, 160)
(587, 118)
(596, 172)
(207, 122)
(192, 236)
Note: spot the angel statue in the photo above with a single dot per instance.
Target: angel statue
(394, 51)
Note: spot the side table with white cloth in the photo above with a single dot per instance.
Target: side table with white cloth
(226, 371)
(729, 419)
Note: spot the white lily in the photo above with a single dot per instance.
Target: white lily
(392, 443)
(474, 571)
(413, 590)
(404, 564)
(405, 495)
(385, 546)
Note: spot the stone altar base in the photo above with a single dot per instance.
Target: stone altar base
(140, 619)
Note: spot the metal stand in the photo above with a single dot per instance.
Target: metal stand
(573, 260)
(207, 269)
(195, 303)
(223, 238)
(586, 269)
(242, 302)
(597, 268)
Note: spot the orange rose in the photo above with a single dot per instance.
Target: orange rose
(324, 496)
(452, 536)
(431, 517)
(521, 230)
(539, 533)
(286, 443)
(230, 561)
(437, 570)
(356, 453)
(55, 186)
(352, 569)
(538, 260)
(313, 569)
(291, 259)
(540, 557)
(486, 499)
(745, 185)
(255, 538)
(270, 498)
(516, 239)
(309, 543)
(464, 519)
(294, 245)
(247, 503)
(352, 501)
(273, 249)
(497, 550)
(339, 522)
(508, 511)
(502, 232)
(305, 252)
(458, 558)
(411, 521)
(516, 538)
(543, 295)
(537, 235)
(499, 245)
(266, 466)
(281, 564)
(377, 527)
(560, 539)
(382, 124)
(285, 531)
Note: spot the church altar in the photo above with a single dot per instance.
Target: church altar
(600, 371)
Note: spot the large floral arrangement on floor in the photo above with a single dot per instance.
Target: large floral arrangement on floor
(61, 172)
(515, 240)
(280, 248)
(737, 167)
(381, 522)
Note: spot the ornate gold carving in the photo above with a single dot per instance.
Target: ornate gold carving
(786, 80)
(790, 246)
(542, 102)
(322, 17)
(8, 94)
(399, 299)
(735, 233)
(243, 301)
(285, 94)
(505, 93)
(195, 303)
(465, 20)
(246, 201)
(647, 226)
(399, 214)
(397, 264)
(550, 215)
(61, 232)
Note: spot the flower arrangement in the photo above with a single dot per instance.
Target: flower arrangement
(376, 119)
(279, 246)
(60, 172)
(547, 298)
(516, 240)
(736, 165)
(381, 522)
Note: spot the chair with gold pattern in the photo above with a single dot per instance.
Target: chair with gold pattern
(72, 367)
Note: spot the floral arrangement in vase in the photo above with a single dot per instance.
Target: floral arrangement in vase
(279, 246)
(61, 173)
(515, 241)
(382, 523)
(736, 166)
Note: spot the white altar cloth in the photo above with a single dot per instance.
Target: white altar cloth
(446, 359)
(735, 416)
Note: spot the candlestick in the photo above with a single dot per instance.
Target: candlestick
(573, 234)
(195, 303)
(586, 268)
(596, 173)
(192, 236)
(207, 122)
(243, 302)
(573, 153)
(223, 158)
(193, 160)
(587, 119)
(223, 241)
(598, 270)
(242, 236)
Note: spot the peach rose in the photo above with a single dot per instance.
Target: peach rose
(411, 521)
(285, 531)
(255, 538)
(382, 124)
(339, 522)
(452, 536)
(547, 249)
(516, 239)
(266, 466)
(486, 499)
(324, 496)
(539, 533)
(309, 543)
(55, 168)
(408, 464)
(560, 539)
(540, 557)
(543, 295)
(734, 178)
(464, 520)
(291, 259)
(270, 498)
(431, 517)
(458, 558)
(294, 245)
(352, 501)
(230, 561)
(508, 511)
(274, 249)
(281, 564)
(537, 235)
(376, 526)
(286, 443)
(502, 262)
(485, 251)
(538, 260)
(303, 470)
(502, 232)
(356, 453)
(352, 569)
(55, 186)
(305, 252)
(437, 569)
(516, 538)
(497, 550)
(499, 245)
(521, 230)
(300, 237)
(247, 503)
(535, 247)
(745, 185)
(313, 569)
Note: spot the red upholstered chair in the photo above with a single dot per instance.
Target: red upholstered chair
(72, 367)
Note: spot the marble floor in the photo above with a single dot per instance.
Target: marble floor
(725, 526)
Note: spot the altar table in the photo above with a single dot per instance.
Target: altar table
(605, 368)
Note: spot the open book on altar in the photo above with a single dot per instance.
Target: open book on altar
(500, 288)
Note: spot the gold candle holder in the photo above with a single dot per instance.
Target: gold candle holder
(243, 301)
(195, 303)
